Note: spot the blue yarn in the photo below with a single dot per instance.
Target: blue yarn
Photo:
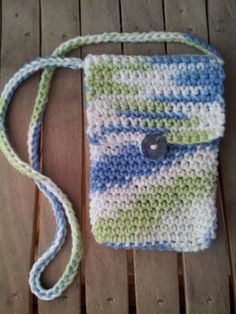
(152, 115)
(109, 172)
(34, 153)
(145, 246)
(202, 43)
(58, 213)
(158, 60)
(204, 96)
(199, 78)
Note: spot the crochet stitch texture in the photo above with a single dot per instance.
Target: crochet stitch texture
(138, 202)
(135, 201)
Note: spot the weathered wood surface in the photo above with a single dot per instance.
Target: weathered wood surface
(205, 274)
(222, 21)
(110, 281)
(19, 43)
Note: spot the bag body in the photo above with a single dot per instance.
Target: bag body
(142, 197)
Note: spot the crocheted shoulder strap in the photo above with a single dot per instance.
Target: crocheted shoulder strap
(62, 207)
(60, 203)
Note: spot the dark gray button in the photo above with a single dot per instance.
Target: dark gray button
(154, 146)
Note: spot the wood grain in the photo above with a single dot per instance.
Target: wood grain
(106, 269)
(20, 42)
(156, 275)
(205, 273)
(62, 145)
(188, 17)
(222, 32)
(142, 16)
(206, 276)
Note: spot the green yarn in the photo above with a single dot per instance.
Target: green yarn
(150, 207)
(189, 137)
(142, 107)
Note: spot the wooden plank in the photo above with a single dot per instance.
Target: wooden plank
(62, 145)
(142, 16)
(189, 17)
(205, 274)
(106, 269)
(156, 273)
(156, 282)
(222, 32)
(20, 43)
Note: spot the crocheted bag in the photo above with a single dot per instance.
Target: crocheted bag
(154, 125)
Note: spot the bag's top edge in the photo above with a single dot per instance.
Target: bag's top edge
(174, 58)
(180, 55)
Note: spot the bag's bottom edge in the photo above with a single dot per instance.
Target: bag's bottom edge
(160, 246)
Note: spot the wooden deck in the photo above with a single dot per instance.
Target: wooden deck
(110, 281)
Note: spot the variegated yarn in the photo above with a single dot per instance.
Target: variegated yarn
(135, 202)
(138, 202)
